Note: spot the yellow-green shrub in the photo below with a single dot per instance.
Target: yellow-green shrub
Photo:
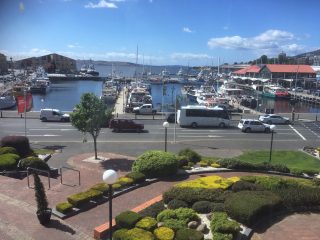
(64, 207)
(147, 223)
(215, 165)
(164, 233)
(210, 182)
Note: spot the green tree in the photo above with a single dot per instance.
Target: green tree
(89, 117)
(264, 59)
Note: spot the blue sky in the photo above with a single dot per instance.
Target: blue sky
(194, 32)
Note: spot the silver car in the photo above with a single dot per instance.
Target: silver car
(253, 125)
(274, 119)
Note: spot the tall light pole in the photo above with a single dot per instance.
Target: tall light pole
(272, 128)
(110, 177)
(25, 111)
(165, 125)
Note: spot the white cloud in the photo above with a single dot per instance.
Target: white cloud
(187, 30)
(189, 56)
(270, 41)
(101, 4)
(73, 45)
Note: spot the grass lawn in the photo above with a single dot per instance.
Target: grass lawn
(43, 151)
(292, 159)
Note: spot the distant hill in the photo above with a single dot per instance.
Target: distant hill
(107, 63)
(308, 54)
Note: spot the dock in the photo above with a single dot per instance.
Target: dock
(304, 97)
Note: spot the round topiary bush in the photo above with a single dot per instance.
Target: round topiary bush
(155, 163)
(164, 233)
(8, 161)
(176, 203)
(191, 155)
(189, 234)
(20, 143)
(120, 234)
(202, 206)
(137, 233)
(33, 162)
(147, 223)
(4, 150)
(137, 177)
(127, 219)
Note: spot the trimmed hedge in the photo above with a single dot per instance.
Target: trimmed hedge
(80, 199)
(64, 207)
(248, 207)
(125, 181)
(202, 206)
(120, 234)
(184, 215)
(189, 234)
(137, 177)
(155, 163)
(221, 236)
(8, 161)
(164, 233)
(192, 195)
(153, 210)
(176, 203)
(127, 219)
(102, 187)
(138, 234)
(147, 223)
(20, 143)
(220, 223)
(190, 155)
(33, 162)
(4, 150)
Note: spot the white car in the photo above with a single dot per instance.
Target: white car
(274, 119)
(253, 125)
(49, 114)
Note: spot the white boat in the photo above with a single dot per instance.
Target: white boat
(7, 101)
(39, 82)
(92, 71)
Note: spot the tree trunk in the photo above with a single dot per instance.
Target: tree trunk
(95, 147)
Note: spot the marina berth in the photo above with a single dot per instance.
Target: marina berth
(275, 91)
(7, 100)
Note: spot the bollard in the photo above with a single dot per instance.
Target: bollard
(135, 116)
(117, 115)
(298, 117)
(21, 115)
(316, 118)
(1, 114)
(153, 116)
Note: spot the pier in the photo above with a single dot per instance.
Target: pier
(303, 97)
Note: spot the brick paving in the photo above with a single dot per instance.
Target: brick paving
(17, 204)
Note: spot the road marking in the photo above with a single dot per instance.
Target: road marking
(51, 129)
(303, 138)
(45, 135)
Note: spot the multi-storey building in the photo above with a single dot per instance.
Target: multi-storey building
(3, 64)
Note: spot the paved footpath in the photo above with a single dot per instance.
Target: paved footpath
(17, 204)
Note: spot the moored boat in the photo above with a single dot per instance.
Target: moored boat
(7, 100)
(274, 91)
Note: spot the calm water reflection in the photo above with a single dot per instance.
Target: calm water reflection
(65, 95)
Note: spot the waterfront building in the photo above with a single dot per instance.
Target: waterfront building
(285, 74)
(52, 63)
(3, 64)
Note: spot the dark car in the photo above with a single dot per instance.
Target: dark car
(118, 125)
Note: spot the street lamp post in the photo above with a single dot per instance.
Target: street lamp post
(272, 128)
(25, 111)
(110, 177)
(165, 125)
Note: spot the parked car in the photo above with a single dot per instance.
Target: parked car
(145, 109)
(49, 114)
(274, 119)
(297, 89)
(253, 125)
(118, 125)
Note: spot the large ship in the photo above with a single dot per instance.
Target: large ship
(274, 91)
(92, 71)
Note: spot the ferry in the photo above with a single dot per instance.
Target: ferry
(274, 91)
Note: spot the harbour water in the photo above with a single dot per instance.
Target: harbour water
(64, 95)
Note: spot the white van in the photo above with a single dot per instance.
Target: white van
(49, 114)
(202, 116)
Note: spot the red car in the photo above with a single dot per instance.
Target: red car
(118, 125)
